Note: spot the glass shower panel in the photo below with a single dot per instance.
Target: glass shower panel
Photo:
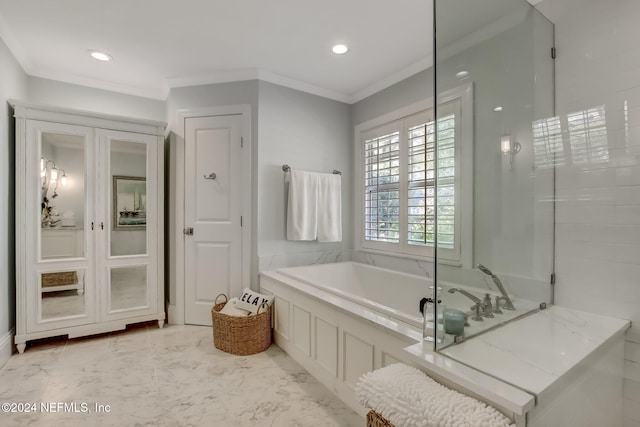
(493, 188)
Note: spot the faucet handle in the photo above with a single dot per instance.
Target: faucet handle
(487, 308)
(477, 317)
(497, 309)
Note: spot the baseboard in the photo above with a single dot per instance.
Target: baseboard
(6, 346)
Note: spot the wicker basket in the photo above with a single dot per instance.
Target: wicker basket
(60, 278)
(241, 335)
(374, 419)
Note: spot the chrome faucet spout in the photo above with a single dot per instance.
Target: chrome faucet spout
(466, 294)
(508, 304)
(477, 307)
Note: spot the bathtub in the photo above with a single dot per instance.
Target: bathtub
(390, 293)
(394, 295)
(342, 320)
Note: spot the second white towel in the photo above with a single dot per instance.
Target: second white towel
(329, 208)
(314, 209)
(302, 209)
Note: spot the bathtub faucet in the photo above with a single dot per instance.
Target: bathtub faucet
(508, 304)
(477, 307)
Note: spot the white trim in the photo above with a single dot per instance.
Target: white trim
(171, 314)
(465, 94)
(177, 307)
(72, 116)
(6, 346)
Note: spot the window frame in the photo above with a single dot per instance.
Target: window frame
(402, 119)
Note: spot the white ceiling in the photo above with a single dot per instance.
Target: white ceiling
(160, 44)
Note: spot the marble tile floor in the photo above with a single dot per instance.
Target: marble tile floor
(163, 377)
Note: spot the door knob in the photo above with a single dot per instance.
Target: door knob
(212, 175)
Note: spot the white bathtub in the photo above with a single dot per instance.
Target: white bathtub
(388, 292)
(342, 320)
(394, 295)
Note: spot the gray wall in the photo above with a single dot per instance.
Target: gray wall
(13, 85)
(406, 92)
(195, 97)
(59, 94)
(306, 132)
(288, 126)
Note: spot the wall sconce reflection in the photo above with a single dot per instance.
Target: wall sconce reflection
(509, 147)
(50, 174)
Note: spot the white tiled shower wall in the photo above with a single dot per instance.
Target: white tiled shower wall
(598, 206)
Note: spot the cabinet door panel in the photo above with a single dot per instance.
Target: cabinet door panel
(61, 274)
(128, 288)
(62, 295)
(128, 210)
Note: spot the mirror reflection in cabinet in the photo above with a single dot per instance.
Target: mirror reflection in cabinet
(62, 195)
(62, 294)
(128, 168)
(128, 287)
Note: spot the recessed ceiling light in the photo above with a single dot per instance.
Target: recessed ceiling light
(462, 74)
(340, 49)
(100, 56)
(497, 109)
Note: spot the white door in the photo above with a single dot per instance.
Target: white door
(213, 209)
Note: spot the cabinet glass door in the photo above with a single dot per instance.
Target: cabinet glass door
(130, 198)
(63, 196)
(62, 290)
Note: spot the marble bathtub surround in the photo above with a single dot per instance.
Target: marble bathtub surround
(536, 351)
(166, 377)
(410, 266)
(523, 368)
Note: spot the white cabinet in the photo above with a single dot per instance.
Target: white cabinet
(89, 222)
(62, 242)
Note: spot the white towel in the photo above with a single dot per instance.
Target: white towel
(251, 301)
(302, 209)
(408, 398)
(230, 309)
(329, 207)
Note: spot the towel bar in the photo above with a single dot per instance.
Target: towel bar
(287, 168)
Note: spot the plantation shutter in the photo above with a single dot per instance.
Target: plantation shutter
(382, 193)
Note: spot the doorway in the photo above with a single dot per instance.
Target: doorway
(212, 235)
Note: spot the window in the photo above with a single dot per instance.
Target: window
(400, 195)
(382, 188)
